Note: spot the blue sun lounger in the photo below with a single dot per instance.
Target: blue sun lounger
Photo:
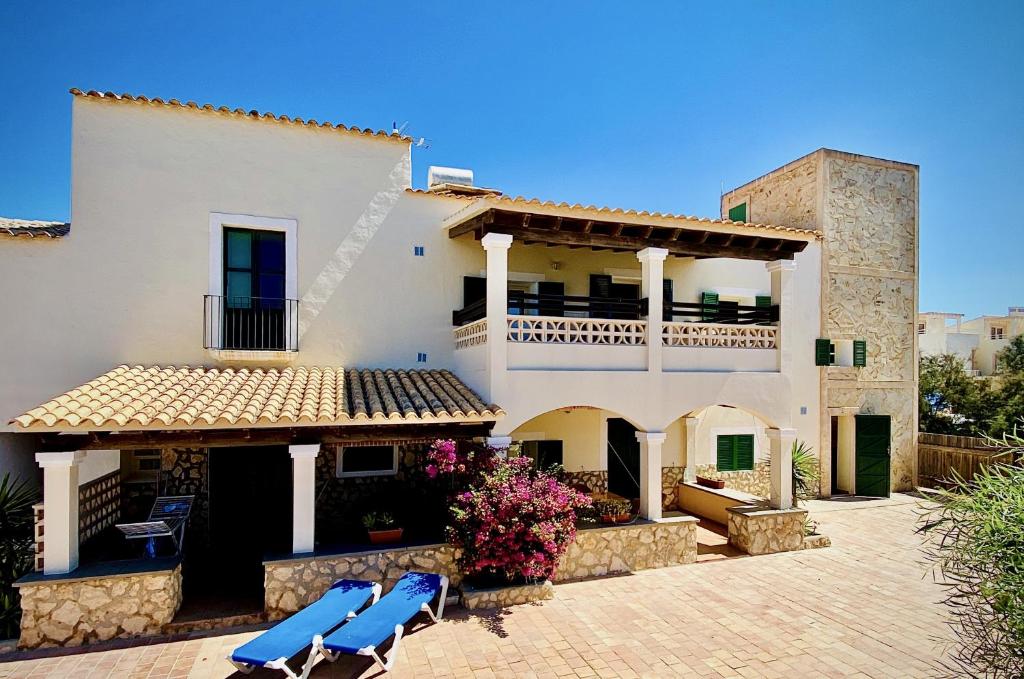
(287, 638)
(412, 594)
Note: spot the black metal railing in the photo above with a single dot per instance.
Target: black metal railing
(250, 323)
(722, 312)
(526, 303)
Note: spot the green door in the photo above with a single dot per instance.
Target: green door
(872, 455)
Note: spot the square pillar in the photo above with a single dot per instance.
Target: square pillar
(496, 245)
(650, 473)
(781, 444)
(784, 295)
(652, 273)
(690, 472)
(303, 497)
(60, 510)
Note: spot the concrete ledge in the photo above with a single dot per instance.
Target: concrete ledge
(711, 503)
(502, 597)
(102, 570)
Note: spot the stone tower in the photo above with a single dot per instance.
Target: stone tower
(867, 211)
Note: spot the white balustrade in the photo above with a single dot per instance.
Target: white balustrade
(559, 330)
(471, 335)
(720, 335)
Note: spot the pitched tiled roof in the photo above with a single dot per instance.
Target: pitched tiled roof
(237, 112)
(524, 204)
(152, 398)
(32, 228)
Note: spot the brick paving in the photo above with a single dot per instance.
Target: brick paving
(865, 607)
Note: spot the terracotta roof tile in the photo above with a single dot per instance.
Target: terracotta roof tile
(520, 202)
(238, 112)
(134, 398)
(32, 228)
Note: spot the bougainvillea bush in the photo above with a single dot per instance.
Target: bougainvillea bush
(512, 522)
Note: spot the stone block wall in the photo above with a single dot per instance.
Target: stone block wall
(623, 549)
(670, 478)
(596, 480)
(757, 482)
(293, 584)
(186, 471)
(503, 597)
(74, 612)
(758, 530)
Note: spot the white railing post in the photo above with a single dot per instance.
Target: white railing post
(303, 497)
(781, 444)
(783, 294)
(60, 510)
(652, 268)
(496, 245)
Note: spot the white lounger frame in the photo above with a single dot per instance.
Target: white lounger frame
(307, 667)
(318, 641)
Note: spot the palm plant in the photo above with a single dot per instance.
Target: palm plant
(16, 500)
(805, 471)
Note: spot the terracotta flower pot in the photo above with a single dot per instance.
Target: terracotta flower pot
(385, 537)
(717, 484)
(615, 518)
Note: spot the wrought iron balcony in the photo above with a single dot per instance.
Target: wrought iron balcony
(250, 323)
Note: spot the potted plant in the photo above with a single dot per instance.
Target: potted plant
(382, 528)
(717, 484)
(613, 510)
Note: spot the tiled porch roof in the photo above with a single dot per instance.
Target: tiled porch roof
(33, 228)
(158, 398)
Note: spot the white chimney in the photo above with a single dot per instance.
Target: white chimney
(437, 176)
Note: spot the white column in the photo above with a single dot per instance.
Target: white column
(303, 497)
(497, 245)
(784, 294)
(60, 510)
(650, 473)
(500, 444)
(781, 444)
(690, 474)
(652, 271)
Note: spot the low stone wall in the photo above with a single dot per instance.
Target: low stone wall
(623, 549)
(595, 480)
(502, 597)
(757, 482)
(78, 611)
(292, 584)
(759, 530)
(670, 478)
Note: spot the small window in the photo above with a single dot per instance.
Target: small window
(738, 213)
(997, 333)
(920, 328)
(367, 461)
(735, 452)
(545, 454)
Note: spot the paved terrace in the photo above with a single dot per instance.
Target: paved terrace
(864, 608)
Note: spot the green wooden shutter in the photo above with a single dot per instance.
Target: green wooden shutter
(824, 352)
(860, 353)
(738, 213)
(743, 445)
(725, 461)
(709, 302)
(551, 307)
(763, 301)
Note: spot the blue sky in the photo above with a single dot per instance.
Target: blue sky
(646, 105)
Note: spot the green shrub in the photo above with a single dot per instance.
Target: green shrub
(805, 472)
(976, 546)
(16, 500)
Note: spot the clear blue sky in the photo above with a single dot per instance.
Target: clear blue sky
(652, 106)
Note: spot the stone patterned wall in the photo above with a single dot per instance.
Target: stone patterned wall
(596, 481)
(503, 597)
(670, 478)
(295, 583)
(902, 409)
(881, 311)
(766, 531)
(757, 482)
(786, 196)
(186, 471)
(75, 612)
(624, 549)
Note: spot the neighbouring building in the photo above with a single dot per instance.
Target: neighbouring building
(976, 342)
(261, 311)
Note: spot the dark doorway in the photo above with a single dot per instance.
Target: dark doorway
(872, 455)
(623, 459)
(836, 490)
(250, 516)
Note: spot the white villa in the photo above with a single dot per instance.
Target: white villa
(261, 311)
(976, 342)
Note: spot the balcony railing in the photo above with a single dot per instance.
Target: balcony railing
(558, 306)
(723, 312)
(250, 323)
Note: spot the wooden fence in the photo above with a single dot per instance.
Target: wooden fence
(940, 455)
